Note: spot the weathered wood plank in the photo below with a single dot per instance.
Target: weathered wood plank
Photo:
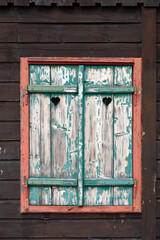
(9, 111)
(74, 15)
(10, 92)
(9, 32)
(158, 130)
(10, 209)
(64, 196)
(64, 134)
(13, 52)
(98, 196)
(9, 189)
(149, 123)
(45, 134)
(123, 135)
(80, 135)
(9, 131)
(72, 228)
(35, 136)
(158, 169)
(158, 150)
(9, 150)
(40, 159)
(123, 125)
(9, 72)
(80, 33)
(98, 135)
(9, 170)
(123, 196)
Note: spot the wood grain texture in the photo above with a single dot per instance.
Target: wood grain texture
(9, 170)
(10, 92)
(9, 111)
(72, 228)
(9, 72)
(80, 33)
(11, 52)
(9, 190)
(73, 15)
(149, 124)
(10, 131)
(9, 150)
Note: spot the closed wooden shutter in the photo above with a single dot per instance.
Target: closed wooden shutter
(80, 135)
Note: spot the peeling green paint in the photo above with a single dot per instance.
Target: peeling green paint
(80, 149)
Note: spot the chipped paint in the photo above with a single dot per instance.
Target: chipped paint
(56, 134)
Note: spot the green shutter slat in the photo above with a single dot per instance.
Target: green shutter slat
(52, 89)
(74, 182)
(109, 182)
(52, 182)
(115, 90)
(80, 134)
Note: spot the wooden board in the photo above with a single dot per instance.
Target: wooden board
(149, 124)
(108, 135)
(11, 52)
(79, 33)
(53, 134)
(72, 228)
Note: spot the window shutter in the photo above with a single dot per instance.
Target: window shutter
(81, 135)
(53, 135)
(108, 135)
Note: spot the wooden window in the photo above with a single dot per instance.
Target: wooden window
(80, 135)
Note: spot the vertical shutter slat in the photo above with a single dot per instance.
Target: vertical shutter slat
(80, 135)
(64, 133)
(98, 135)
(123, 135)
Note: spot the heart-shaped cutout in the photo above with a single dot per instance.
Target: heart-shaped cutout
(107, 100)
(55, 100)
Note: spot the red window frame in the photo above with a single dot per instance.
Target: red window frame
(137, 66)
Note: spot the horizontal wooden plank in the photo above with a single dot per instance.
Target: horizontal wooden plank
(79, 33)
(158, 227)
(9, 189)
(158, 111)
(9, 72)
(158, 150)
(71, 228)
(74, 15)
(10, 209)
(9, 131)
(9, 92)
(9, 150)
(8, 32)
(8, 15)
(109, 182)
(52, 89)
(13, 52)
(158, 72)
(73, 182)
(9, 170)
(9, 111)
(158, 208)
(158, 189)
(158, 169)
(158, 130)
(115, 89)
(51, 182)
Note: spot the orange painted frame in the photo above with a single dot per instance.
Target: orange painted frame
(137, 66)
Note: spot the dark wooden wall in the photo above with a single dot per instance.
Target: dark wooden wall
(76, 31)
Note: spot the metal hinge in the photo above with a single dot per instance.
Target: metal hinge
(27, 97)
